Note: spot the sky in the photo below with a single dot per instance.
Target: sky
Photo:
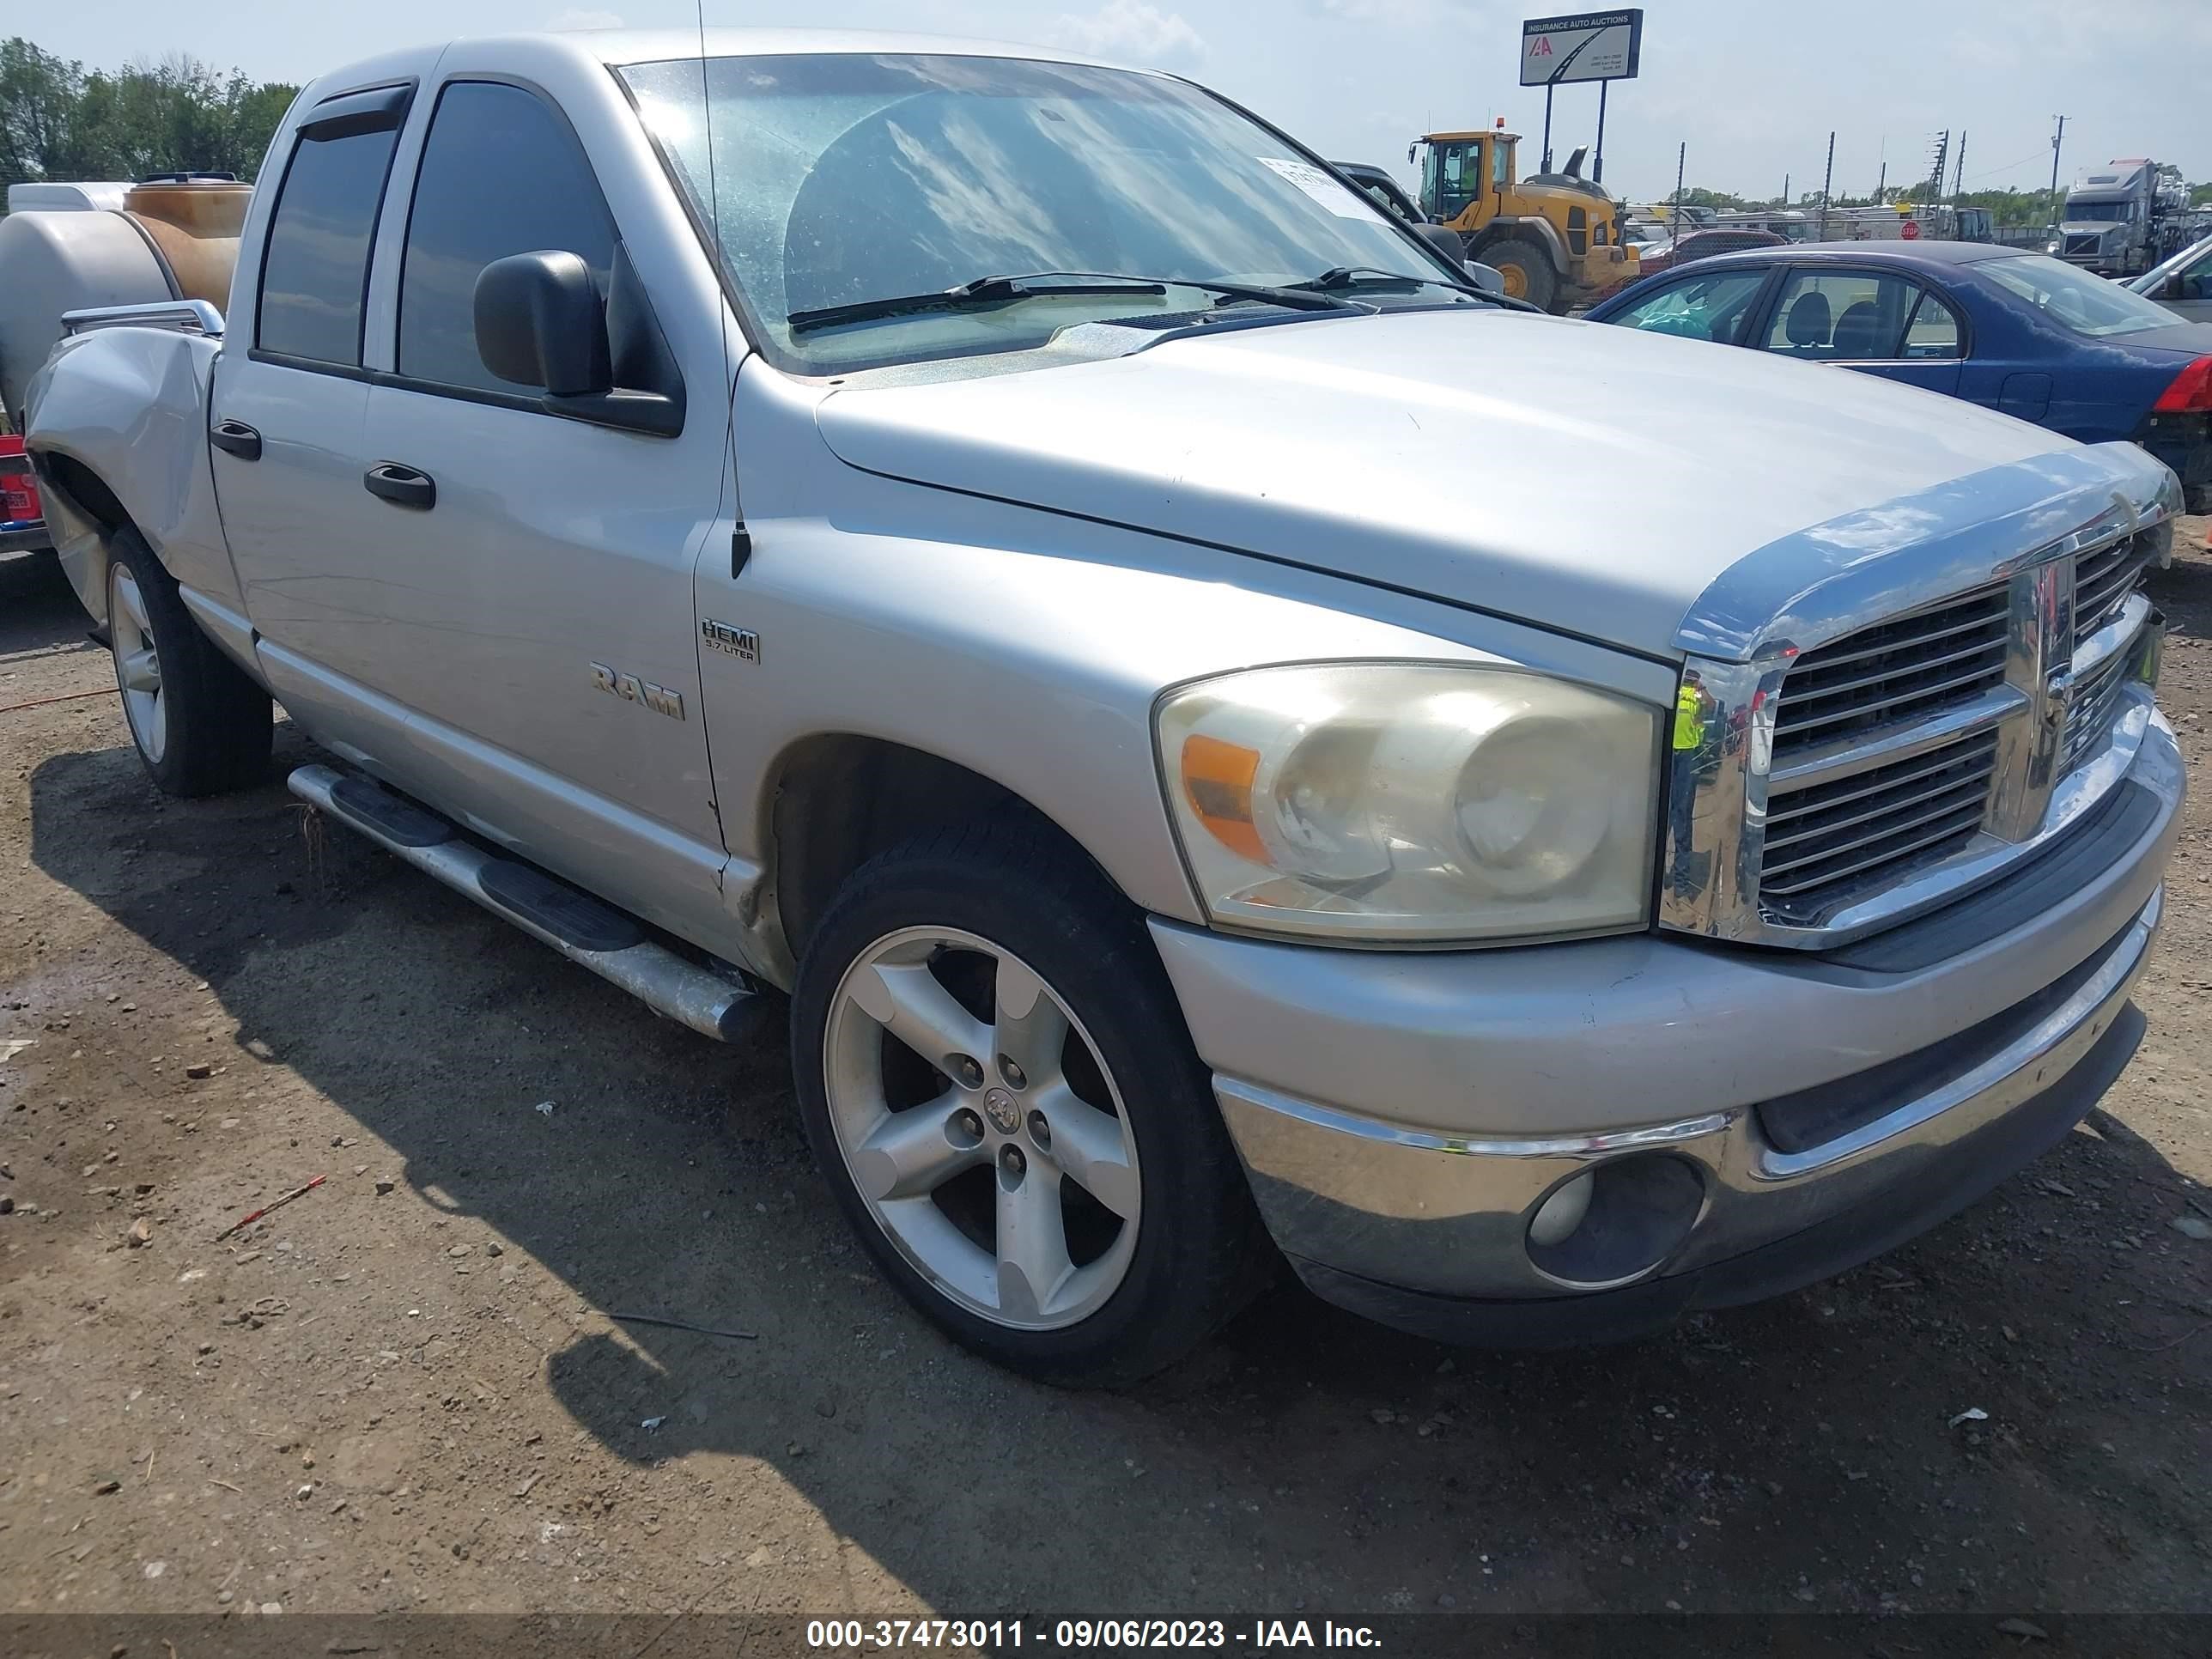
(1753, 87)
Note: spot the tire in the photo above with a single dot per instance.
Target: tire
(962, 1203)
(1527, 272)
(199, 723)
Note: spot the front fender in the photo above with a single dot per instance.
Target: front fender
(128, 406)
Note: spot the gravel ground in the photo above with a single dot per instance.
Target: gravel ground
(408, 1391)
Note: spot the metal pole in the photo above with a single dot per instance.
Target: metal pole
(1826, 179)
(1958, 178)
(1881, 185)
(1547, 127)
(2058, 139)
(1681, 157)
(1597, 167)
(1785, 190)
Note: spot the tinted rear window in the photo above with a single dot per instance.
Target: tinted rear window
(315, 273)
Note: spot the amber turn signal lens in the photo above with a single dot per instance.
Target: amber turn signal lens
(1217, 780)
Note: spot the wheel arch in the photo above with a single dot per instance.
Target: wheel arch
(1540, 232)
(834, 800)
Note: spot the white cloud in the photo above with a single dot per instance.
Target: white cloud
(1135, 30)
(583, 17)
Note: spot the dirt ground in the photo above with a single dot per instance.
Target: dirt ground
(407, 1390)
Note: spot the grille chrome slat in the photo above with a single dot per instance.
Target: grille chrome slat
(1958, 832)
(1879, 810)
(1882, 675)
(1790, 731)
(1783, 808)
(1792, 695)
(1968, 792)
(1831, 657)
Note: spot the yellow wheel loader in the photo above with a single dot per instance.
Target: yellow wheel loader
(1554, 236)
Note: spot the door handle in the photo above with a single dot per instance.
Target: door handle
(236, 438)
(402, 485)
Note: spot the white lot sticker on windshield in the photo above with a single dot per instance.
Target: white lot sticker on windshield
(1345, 204)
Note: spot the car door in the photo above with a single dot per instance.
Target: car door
(534, 603)
(1876, 321)
(2188, 292)
(289, 400)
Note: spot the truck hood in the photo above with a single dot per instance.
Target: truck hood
(1589, 479)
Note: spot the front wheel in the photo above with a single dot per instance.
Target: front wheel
(999, 1087)
(1528, 273)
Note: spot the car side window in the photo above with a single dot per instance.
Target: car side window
(501, 174)
(1710, 307)
(1933, 333)
(314, 272)
(1843, 316)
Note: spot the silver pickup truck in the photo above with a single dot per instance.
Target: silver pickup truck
(1020, 557)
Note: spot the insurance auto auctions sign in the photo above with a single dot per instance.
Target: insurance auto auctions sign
(1594, 45)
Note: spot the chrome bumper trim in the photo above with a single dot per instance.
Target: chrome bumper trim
(1449, 1215)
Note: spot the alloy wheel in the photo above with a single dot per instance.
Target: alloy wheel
(137, 663)
(982, 1128)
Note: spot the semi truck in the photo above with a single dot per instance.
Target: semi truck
(2118, 220)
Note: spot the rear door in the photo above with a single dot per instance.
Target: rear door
(535, 608)
(288, 402)
(1876, 321)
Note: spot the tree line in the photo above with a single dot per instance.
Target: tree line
(61, 120)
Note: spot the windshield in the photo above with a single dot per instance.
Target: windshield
(2098, 213)
(2196, 259)
(841, 179)
(2086, 304)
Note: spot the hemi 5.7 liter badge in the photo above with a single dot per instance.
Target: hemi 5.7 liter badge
(740, 642)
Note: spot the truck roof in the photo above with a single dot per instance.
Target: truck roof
(617, 46)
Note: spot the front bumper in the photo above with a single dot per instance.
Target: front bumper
(1404, 1116)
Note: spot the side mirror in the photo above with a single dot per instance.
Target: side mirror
(540, 322)
(1445, 241)
(1488, 278)
(2176, 287)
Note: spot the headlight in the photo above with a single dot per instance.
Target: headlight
(1414, 802)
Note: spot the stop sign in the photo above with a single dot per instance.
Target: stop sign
(1911, 230)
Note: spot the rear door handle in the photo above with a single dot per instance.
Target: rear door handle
(402, 484)
(236, 438)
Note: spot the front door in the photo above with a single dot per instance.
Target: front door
(536, 569)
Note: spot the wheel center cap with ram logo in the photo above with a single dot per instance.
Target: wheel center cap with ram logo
(1006, 1116)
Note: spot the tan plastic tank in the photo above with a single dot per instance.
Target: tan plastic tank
(68, 248)
(195, 223)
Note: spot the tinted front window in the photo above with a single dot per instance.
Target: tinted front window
(1698, 307)
(501, 174)
(2074, 299)
(315, 272)
(844, 178)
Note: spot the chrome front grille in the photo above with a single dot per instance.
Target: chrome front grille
(1879, 675)
(1825, 841)
(1818, 793)
(2091, 711)
(2103, 580)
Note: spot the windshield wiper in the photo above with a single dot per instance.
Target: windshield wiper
(985, 291)
(1338, 278)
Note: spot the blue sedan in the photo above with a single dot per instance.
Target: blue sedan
(2011, 331)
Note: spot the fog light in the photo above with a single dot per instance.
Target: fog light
(1617, 1222)
(1562, 1212)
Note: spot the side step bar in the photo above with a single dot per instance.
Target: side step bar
(610, 943)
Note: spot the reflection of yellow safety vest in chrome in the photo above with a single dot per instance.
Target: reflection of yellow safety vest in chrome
(1689, 717)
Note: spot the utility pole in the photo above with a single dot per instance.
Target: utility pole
(1828, 178)
(1681, 159)
(2058, 139)
(1785, 190)
(1958, 178)
(1942, 163)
